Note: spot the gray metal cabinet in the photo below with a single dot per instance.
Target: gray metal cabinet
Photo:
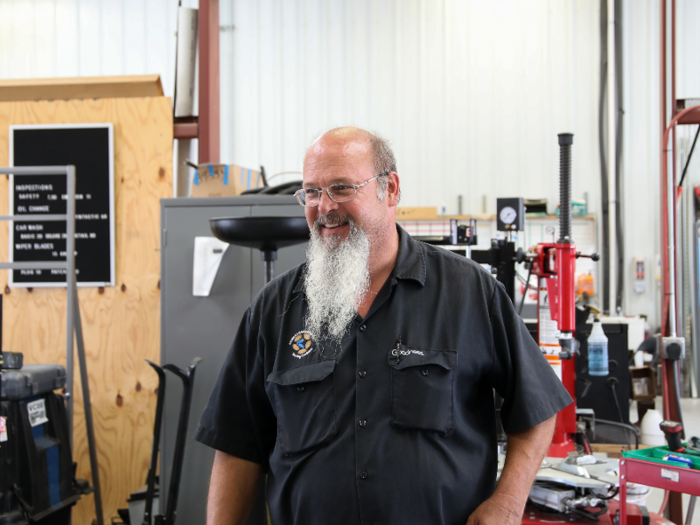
(205, 326)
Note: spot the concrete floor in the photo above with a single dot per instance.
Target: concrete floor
(691, 420)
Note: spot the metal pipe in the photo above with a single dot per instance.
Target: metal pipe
(662, 121)
(70, 284)
(670, 205)
(691, 510)
(671, 218)
(209, 83)
(87, 405)
(612, 141)
(676, 229)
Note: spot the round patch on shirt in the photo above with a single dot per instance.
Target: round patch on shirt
(302, 344)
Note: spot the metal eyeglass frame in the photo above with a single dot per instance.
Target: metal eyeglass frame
(299, 193)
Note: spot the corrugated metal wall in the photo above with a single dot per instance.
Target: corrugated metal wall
(471, 93)
(642, 134)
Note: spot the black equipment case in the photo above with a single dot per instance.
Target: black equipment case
(38, 483)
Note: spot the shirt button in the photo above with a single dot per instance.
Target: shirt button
(362, 373)
(363, 423)
(425, 371)
(363, 328)
(364, 475)
(300, 388)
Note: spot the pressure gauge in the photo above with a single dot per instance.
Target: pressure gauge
(510, 214)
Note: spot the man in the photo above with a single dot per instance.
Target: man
(361, 382)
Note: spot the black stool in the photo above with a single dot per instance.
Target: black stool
(267, 234)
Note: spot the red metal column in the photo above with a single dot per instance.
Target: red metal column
(209, 116)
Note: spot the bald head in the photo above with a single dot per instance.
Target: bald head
(359, 145)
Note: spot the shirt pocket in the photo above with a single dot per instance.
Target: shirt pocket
(305, 402)
(422, 388)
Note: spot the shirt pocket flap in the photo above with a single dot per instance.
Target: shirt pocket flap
(302, 374)
(405, 357)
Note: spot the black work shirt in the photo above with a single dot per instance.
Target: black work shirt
(397, 425)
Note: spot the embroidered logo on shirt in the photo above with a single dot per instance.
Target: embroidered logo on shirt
(302, 344)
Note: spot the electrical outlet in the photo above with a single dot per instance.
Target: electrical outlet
(673, 348)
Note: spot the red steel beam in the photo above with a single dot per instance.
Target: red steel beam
(186, 128)
(209, 117)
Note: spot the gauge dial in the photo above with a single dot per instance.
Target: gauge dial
(508, 215)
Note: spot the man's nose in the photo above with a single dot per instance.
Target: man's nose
(326, 204)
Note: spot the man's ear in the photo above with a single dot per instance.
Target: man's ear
(392, 189)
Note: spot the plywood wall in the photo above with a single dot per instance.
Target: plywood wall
(121, 324)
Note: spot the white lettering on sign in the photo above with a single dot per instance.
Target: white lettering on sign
(43, 246)
(38, 208)
(3, 429)
(37, 412)
(670, 475)
(34, 187)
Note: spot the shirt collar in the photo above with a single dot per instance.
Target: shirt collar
(410, 262)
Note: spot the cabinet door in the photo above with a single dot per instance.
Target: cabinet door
(197, 327)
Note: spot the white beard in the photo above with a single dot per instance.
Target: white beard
(337, 279)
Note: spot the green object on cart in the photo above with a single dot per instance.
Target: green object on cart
(656, 455)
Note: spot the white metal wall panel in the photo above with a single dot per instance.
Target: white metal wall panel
(70, 38)
(471, 93)
(641, 151)
(641, 161)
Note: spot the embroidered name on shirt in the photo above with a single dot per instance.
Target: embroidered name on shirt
(406, 352)
(302, 344)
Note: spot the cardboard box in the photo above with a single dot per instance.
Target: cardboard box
(224, 180)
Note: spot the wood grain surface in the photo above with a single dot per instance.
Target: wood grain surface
(121, 324)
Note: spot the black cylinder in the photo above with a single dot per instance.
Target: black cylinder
(565, 142)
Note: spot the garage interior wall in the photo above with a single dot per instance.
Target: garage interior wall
(642, 142)
(470, 93)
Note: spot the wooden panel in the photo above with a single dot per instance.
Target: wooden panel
(416, 213)
(80, 88)
(121, 324)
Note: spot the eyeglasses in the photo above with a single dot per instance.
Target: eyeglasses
(341, 192)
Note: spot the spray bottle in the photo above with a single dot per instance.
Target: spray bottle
(597, 350)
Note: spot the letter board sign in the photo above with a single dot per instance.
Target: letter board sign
(89, 147)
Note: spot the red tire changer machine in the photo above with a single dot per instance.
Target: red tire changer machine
(572, 490)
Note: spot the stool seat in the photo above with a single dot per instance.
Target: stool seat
(267, 234)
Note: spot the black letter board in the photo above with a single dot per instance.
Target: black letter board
(89, 148)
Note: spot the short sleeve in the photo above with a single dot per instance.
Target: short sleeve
(531, 391)
(238, 418)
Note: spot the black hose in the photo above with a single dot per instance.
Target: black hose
(677, 391)
(609, 496)
(616, 424)
(690, 156)
(527, 286)
(584, 437)
(617, 401)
